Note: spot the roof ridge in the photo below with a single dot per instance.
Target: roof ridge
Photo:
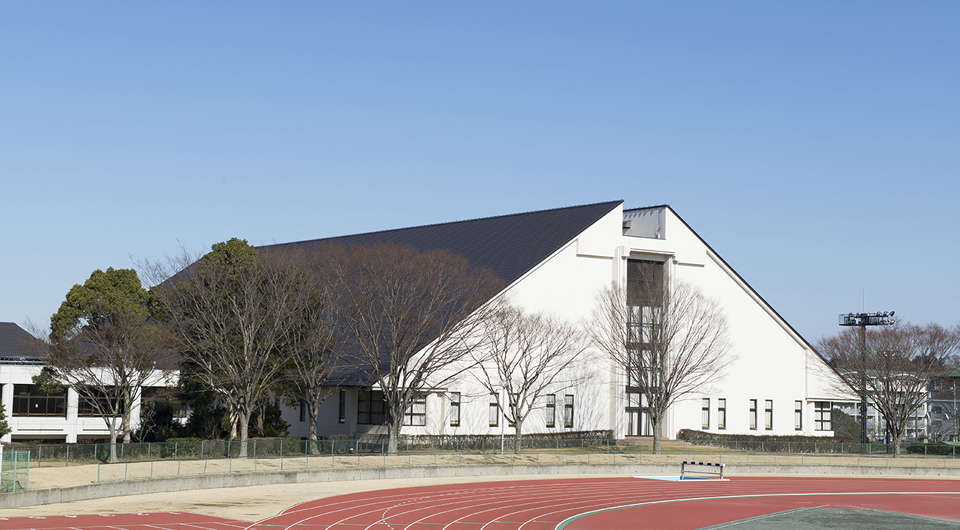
(445, 223)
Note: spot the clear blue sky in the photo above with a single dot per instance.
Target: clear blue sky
(814, 145)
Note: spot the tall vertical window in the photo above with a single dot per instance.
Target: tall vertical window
(494, 411)
(343, 407)
(568, 411)
(454, 409)
(753, 414)
(551, 412)
(822, 416)
(644, 300)
(416, 413)
(705, 413)
(798, 415)
(721, 413)
(768, 414)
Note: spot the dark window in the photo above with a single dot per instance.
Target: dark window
(721, 413)
(644, 300)
(798, 415)
(822, 416)
(454, 409)
(371, 407)
(343, 407)
(28, 401)
(416, 413)
(568, 411)
(551, 411)
(303, 411)
(96, 403)
(753, 414)
(705, 413)
(494, 413)
(768, 414)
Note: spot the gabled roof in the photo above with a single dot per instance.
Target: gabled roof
(12, 338)
(508, 245)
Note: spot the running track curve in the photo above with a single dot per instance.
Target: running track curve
(572, 504)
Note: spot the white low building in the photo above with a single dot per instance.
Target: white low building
(557, 261)
(51, 418)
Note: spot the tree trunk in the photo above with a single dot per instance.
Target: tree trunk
(312, 429)
(655, 421)
(517, 436)
(113, 441)
(244, 418)
(127, 412)
(394, 434)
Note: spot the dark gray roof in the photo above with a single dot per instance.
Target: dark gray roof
(12, 338)
(508, 245)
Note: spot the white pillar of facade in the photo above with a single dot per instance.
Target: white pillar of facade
(73, 407)
(6, 396)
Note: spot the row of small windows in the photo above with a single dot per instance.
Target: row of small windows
(372, 409)
(28, 401)
(822, 419)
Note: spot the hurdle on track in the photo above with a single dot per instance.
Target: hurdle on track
(718, 471)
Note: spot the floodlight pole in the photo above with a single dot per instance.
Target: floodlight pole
(862, 320)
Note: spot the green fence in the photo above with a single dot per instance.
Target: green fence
(183, 458)
(15, 471)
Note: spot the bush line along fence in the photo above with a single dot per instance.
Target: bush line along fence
(189, 458)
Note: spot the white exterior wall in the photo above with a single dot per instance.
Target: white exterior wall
(769, 360)
(71, 428)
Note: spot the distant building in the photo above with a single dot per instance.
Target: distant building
(34, 415)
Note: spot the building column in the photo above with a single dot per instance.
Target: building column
(73, 408)
(6, 397)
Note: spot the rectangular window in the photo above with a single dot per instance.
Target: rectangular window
(28, 401)
(568, 411)
(822, 416)
(551, 412)
(753, 414)
(454, 409)
(494, 414)
(798, 415)
(721, 413)
(343, 407)
(303, 411)
(705, 413)
(95, 403)
(768, 414)
(371, 407)
(416, 413)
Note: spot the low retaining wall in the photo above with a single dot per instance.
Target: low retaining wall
(160, 485)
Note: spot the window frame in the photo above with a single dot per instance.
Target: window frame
(721, 413)
(551, 411)
(768, 414)
(798, 415)
(568, 417)
(705, 413)
(26, 399)
(493, 410)
(415, 414)
(753, 415)
(368, 405)
(822, 416)
(454, 409)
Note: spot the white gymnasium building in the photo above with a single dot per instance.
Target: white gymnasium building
(556, 261)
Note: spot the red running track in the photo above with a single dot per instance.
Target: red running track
(547, 504)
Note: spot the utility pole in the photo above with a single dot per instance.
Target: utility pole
(862, 320)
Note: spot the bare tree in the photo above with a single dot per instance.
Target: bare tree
(313, 348)
(104, 345)
(525, 355)
(410, 316)
(669, 341)
(232, 310)
(899, 361)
